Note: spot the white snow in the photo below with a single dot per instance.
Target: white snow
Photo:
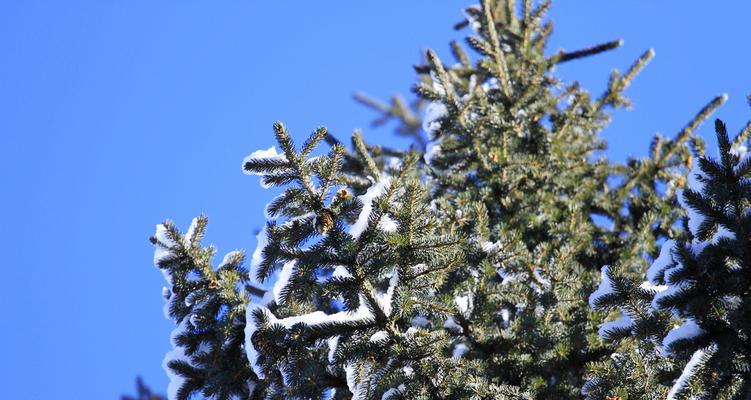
(491, 247)
(393, 391)
(451, 325)
(388, 225)
(647, 285)
(459, 350)
(695, 219)
(433, 205)
(471, 86)
(311, 319)
(189, 299)
(420, 321)
(229, 257)
(464, 304)
(393, 162)
(688, 330)
(739, 151)
(269, 153)
(540, 278)
(688, 371)
(282, 280)
(373, 191)
(432, 150)
(341, 271)
(505, 317)
(623, 322)
(378, 336)
(722, 232)
(268, 296)
(433, 113)
(436, 84)
(384, 299)
(410, 332)
(328, 394)
(312, 160)
(333, 343)
(250, 328)
(251, 386)
(489, 84)
(255, 261)
(160, 253)
(191, 231)
(356, 378)
(662, 261)
(319, 317)
(350, 371)
(605, 288)
(419, 267)
(178, 354)
(696, 247)
(506, 277)
(291, 221)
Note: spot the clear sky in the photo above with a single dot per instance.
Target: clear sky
(115, 115)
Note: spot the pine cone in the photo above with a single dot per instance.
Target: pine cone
(324, 221)
(343, 194)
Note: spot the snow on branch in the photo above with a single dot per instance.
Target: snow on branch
(688, 330)
(373, 191)
(606, 288)
(697, 360)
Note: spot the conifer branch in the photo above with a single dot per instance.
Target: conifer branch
(444, 80)
(362, 151)
(405, 114)
(618, 83)
(501, 70)
(563, 57)
(700, 117)
(459, 54)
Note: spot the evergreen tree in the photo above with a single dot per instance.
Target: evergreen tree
(698, 286)
(461, 271)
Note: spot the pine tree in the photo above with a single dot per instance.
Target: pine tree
(461, 271)
(698, 286)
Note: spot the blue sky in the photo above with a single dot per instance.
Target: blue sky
(119, 114)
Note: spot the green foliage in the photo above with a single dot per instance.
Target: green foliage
(528, 161)
(383, 266)
(459, 273)
(208, 305)
(701, 283)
